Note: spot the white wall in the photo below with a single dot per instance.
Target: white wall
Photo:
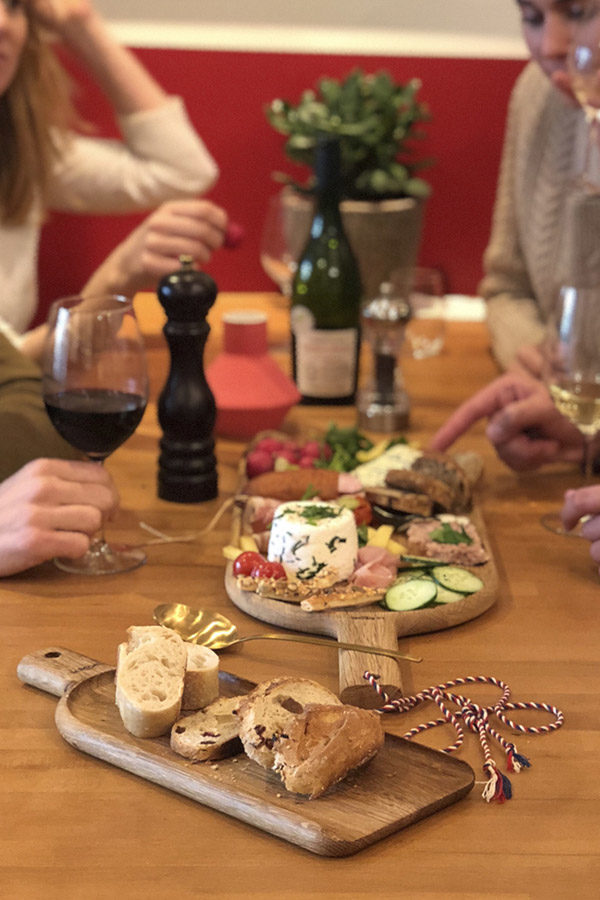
(462, 28)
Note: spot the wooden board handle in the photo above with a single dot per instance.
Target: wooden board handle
(379, 631)
(55, 669)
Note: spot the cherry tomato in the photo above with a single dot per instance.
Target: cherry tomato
(363, 513)
(266, 569)
(244, 563)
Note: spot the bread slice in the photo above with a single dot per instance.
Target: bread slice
(324, 744)
(269, 710)
(443, 467)
(407, 502)
(419, 483)
(201, 684)
(211, 733)
(149, 680)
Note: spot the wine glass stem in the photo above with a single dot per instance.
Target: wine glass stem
(588, 459)
(99, 540)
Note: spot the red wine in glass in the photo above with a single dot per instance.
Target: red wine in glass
(95, 387)
(95, 420)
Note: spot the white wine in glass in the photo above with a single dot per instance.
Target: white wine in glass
(572, 371)
(95, 387)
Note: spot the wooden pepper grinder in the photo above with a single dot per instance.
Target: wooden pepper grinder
(186, 407)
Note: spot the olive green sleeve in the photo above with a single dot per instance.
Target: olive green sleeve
(25, 429)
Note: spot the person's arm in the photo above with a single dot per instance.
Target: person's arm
(27, 432)
(50, 508)
(513, 314)
(161, 156)
(127, 84)
(524, 426)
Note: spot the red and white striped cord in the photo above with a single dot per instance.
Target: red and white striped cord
(475, 718)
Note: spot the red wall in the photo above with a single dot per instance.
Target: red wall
(226, 93)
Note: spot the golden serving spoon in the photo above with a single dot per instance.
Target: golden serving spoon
(214, 630)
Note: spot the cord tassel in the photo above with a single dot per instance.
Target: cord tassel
(475, 718)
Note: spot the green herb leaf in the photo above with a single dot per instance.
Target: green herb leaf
(446, 534)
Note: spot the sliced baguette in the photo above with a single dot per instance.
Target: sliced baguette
(201, 684)
(211, 733)
(149, 680)
(324, 744)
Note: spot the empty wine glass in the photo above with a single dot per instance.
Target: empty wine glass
(572, 371)
(95, 388)
(282, 240)
(583, 63)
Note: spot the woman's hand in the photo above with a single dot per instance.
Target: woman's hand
(578, 504)
(56, 15)
(193, 228)
(50, 508)
(524, 426)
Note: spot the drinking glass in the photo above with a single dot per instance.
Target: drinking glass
(572, 371)
(426, 330)
(583, 63)
(281, 244)
(95, 387)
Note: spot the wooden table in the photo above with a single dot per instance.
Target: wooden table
(75, 827)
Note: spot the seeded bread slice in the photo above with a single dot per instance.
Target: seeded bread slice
(443, 467)
(149, 680)
(211, 733)
(269, 710)
(324, 744)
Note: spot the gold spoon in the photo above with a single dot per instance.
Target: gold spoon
(214, 630)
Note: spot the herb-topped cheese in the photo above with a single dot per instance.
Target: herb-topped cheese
(313, 538)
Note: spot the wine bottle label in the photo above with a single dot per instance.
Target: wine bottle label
(325, 359)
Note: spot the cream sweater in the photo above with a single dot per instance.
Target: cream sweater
(160, 158)
(543, 151)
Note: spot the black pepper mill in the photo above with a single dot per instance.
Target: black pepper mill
(186, 408)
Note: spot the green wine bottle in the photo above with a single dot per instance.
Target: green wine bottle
(326, 296)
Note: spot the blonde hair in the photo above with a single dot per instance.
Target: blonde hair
(34, 110)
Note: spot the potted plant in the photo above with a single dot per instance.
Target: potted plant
(379, 123)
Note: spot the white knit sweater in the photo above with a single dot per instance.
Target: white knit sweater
(543, 152)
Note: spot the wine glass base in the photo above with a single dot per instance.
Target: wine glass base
(102, 559)
(553, 522)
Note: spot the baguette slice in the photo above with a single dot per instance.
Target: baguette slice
(149, 680)
(268, 711)
(211, 733)
(324, 744)
(201, 684)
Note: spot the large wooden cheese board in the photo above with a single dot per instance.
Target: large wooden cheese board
(404, 783)
(370, 625)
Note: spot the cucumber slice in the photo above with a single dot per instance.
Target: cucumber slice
(411, 575)
(411, 594)
(444, 595)
(424, 561)
(457, 579)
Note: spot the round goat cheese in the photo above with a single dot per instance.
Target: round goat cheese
(311, 538)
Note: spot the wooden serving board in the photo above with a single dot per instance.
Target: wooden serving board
(404, 783)
(371, 625)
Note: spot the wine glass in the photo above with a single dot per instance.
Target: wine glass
(95, 387)
(583, 64)
(571, 354)
(281, 243)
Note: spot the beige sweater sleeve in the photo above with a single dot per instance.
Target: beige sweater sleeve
(24, 424)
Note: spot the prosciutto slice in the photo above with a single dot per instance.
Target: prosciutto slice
(376, 568)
